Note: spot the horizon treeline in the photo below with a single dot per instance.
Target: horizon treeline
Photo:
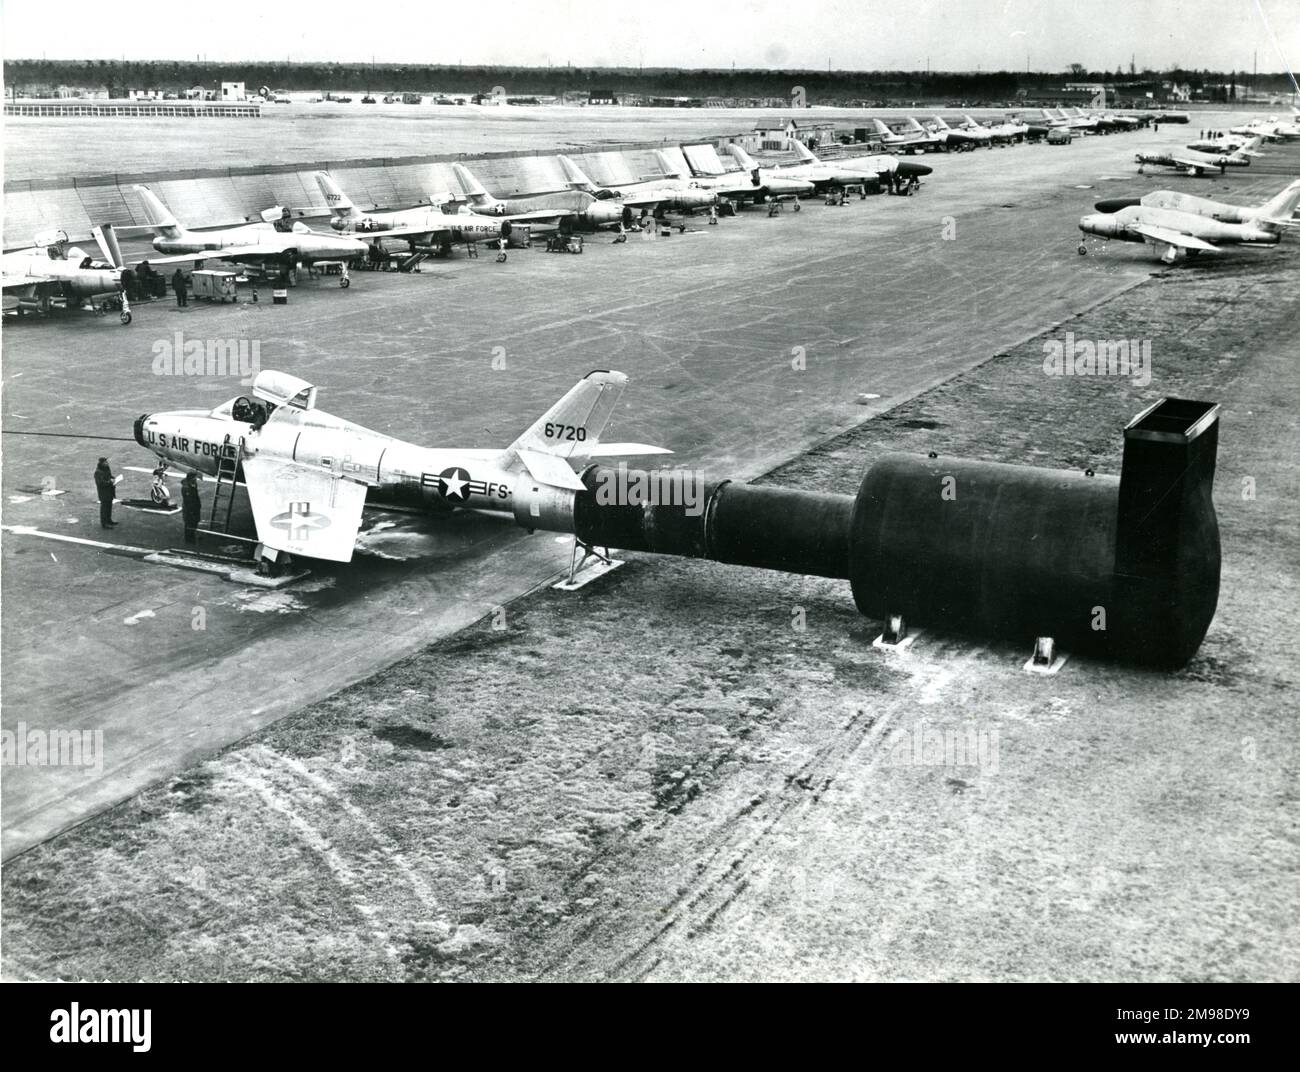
(177, 75)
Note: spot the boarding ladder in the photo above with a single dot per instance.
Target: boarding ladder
(228, 463)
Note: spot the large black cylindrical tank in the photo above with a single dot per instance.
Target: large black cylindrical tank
(1000, 549)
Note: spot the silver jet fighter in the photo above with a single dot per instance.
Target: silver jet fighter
(51, 270)
(1278, 210)
(249, 243)
(541, 209)
(423, 225)
(310, 473)
(739, 187)
(824, 173)
(1179, 234)
(1198, 164)
(650, 193)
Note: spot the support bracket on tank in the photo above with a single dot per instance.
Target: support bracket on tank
(582, 571)
(896, 636)
(1046, 659)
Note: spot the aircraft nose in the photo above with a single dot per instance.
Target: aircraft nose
(908, 168)
(1098, 224)
(1115, 204)
(139, 429)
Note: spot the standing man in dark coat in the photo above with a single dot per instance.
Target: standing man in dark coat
(191, 507)
(105, 485)
(178, 285)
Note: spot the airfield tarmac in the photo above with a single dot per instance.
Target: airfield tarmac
(293, 133)
(882, 305)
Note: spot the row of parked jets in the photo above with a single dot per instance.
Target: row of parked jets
(1179, 225)
(52, 268)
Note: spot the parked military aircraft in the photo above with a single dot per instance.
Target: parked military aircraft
(419, 226)
(548, 208)
(738, 186)
(910, 141)
(280, 242)
(51, 270)
(1200, 163)
(309, 473)
(1271, 129)
(1278, 210)
(650, 194)
(1178, 232)
(1225, 143)
(830, 173)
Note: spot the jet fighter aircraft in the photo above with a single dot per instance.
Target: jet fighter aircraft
(651, 194)
(737, 186)
(573, 205)
(1178, 233)
(1199, 164)
(309, 473)
(248, 243)
(824, 173)
(50, 269)
(1277, 210)
(420, 226)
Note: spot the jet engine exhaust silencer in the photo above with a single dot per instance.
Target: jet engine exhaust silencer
(1124, 567)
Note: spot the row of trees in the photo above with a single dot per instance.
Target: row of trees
(27, 76)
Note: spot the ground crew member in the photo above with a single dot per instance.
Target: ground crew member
(178, 285)
(105, 485)
(191, 507)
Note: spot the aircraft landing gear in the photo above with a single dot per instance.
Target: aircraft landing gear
(345, 280)
(501, 257)
(125, 317)
(1083, 250)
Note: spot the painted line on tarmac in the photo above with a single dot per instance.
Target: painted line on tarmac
(123, 549)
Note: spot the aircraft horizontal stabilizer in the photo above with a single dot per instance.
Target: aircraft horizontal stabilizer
(226, 253)
(550, 469)
(304, 511)
(1174, 238)
(620, 450)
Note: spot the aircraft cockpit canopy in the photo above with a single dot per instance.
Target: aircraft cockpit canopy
(281, 389)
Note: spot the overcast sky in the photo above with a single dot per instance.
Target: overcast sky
(846, 34)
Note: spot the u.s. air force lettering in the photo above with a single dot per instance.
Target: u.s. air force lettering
(456, 485)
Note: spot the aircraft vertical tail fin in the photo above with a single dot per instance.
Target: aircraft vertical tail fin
(742, 158)
(576, 420)
(156, 213)
(670, 170)
(106, 238)
(471, 186)
(1277, 213)
(339, 203)
(574, 176)
(805, 155)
